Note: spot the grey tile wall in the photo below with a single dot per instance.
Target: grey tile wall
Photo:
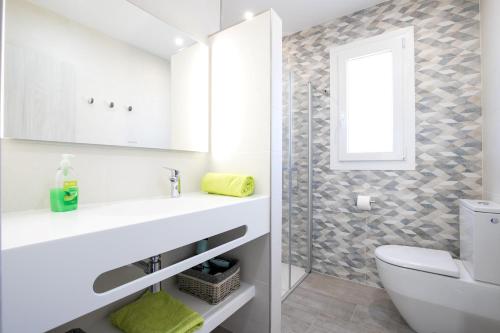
(417, 207)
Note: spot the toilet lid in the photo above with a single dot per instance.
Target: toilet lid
(427, 260)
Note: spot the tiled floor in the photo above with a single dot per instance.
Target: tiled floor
(297, 273)
(323, 304)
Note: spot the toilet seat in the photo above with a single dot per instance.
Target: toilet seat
(426, 260)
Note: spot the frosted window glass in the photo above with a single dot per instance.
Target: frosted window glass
(370, 104)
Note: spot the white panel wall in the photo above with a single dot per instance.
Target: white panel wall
(276, 169)
(241, 95)
(190, 98)
(490, 44)
(246, 104)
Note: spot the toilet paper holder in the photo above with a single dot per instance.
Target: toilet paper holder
(356, 201)
(366, 203)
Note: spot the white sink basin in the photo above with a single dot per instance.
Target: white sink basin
(38, 226)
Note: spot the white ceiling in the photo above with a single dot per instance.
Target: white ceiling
(199, 18)
(297, 15)
(121, 20)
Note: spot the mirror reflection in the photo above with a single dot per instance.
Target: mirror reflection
(102, 72)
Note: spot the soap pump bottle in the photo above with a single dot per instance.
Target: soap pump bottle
(64, 196)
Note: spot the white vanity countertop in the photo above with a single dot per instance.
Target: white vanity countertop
(38, 226)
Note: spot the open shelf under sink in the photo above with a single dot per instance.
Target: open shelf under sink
(214, 314)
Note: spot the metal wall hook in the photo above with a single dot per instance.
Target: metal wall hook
(130, 108)
(111, 105)
(91, 100)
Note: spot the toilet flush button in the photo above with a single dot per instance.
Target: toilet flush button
(494, 220)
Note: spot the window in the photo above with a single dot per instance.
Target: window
(373, 103)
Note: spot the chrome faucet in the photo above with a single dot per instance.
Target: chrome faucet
(175, 182)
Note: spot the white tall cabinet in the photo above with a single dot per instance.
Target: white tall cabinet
(246, 86)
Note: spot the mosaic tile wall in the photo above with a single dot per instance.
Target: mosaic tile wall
(420, 207)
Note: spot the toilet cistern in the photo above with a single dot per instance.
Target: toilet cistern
(175, 182)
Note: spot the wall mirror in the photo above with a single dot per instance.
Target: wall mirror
(102, 72)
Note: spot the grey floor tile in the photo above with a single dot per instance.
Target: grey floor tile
(297, 310)
(379, 315)
(319, 303)
(344, 290)
(343, 326)
(294, 325)
(327, 304)
(220, 330)
(296, 318)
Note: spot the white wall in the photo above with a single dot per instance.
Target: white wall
(190, 98)
(241, 93)
(104, 173)
(54, 65)
(490, 44)
(246, 104)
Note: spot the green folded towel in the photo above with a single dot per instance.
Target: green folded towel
(156, 313)
(228, 184)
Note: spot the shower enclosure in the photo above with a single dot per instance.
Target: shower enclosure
(297, 182)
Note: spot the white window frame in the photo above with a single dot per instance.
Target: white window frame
(401, 43)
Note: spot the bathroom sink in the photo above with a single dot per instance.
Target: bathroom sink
(38, 226)
(69, 251)
(190, 202)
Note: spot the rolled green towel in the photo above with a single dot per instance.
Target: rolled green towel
(156, 313)
(228, 184)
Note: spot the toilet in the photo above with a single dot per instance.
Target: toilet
(438, 294)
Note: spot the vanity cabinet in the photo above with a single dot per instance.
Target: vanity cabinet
(56, 258)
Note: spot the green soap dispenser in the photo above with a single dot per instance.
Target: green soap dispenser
(64, 196)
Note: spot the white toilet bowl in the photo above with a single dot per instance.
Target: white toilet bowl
(435, 293)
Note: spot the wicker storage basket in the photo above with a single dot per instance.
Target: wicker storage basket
(210, 288)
